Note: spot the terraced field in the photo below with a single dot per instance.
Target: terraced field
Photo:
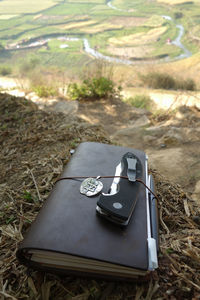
(53, 31)
(17, 7)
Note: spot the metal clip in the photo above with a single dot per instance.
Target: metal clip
(131, 171)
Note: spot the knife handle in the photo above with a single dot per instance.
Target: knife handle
(120, 206)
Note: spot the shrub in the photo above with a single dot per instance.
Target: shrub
(165, 81)
(93, 88)
(187, 84)
(45, 91)
(159, 80)
(5, 71)
(141, 101)
(178, 15)
(190, 85)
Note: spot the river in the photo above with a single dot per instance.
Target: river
(94, 53)
(177, 41)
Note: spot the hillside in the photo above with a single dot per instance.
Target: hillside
(167, 130)
(35, 146)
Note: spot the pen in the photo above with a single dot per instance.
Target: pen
(153, 212)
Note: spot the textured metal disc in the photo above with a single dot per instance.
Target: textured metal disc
(91, 187)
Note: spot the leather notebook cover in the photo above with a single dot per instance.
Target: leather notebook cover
(68, 224)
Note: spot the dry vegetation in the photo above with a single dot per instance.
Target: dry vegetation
(131, 52)
(73, 25)
(128, 21)
(24, 6)
(139, 38)
(175, 2)
(181, 70)
(35, 146)
(101, 28)
(86, 1)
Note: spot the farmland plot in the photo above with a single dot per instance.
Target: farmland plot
(24, 6)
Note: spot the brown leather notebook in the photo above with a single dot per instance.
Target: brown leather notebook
(70, 237)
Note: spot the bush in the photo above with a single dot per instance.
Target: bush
(159, 80)
(187, 84)
(141, 101)
(178, 15)
(165, 81)
(190, 85)
(5, 71)
(45, 91)
(93, 88)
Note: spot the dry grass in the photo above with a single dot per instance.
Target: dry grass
(73, 25)
(131, 52)
(35, 146)
(184, 69)
(128, 21)
(86, 1)
(139, 38)
(24, 6)
(102, 27)
(155, 21)
(7, 17)
(175, 2)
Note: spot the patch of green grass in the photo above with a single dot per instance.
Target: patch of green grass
(45, 91)
(192, 47)
(162, 48)
(104, 10)
(56, 46)
(100, 39)
(70, 60)
(140, 101)
(169, 251)
(140, 7)
(27, 196)
(10, 219)
(67, 8)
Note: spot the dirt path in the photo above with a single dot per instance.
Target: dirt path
(171, 142)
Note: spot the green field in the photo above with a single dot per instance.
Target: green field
(8, 7)
(130, 29)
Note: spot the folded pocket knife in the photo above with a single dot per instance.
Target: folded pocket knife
(118, 204)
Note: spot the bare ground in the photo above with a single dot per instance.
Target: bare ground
(171, 140)
(35, 146)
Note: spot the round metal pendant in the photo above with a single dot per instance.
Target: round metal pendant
(91, 187)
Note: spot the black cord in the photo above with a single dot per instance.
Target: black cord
(98, 177)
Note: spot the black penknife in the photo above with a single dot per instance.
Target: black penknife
(118, 204)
